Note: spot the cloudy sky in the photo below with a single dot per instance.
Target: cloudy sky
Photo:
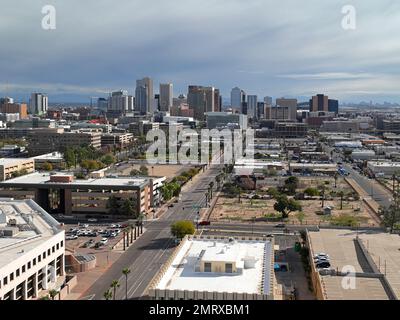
(291, 48)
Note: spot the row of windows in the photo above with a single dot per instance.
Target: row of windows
(30, 264)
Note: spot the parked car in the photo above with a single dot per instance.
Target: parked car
(92, 220)
(321, 254)
(104, 241)
(204, 223)
(280, 225)
(71, 237)
(323, 265)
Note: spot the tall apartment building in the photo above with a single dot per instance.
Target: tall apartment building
(290, 105)
(38, 103)
(166, 96)
(238, 98)
(144, 95)
(201, 100)
(102, 104)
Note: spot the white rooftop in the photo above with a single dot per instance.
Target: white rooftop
(44, 178)
(181, 274)
(13, 161)
(34, 226)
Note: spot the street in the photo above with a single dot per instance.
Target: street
(145, 257)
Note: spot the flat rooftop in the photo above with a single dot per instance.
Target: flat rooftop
(33, 226)
(340, 246)
(181, 274)
(36, 179)
(13, 161)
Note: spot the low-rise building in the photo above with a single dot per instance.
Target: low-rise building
(387, 169)
(62, 193)
(56, 159)
(32, 249)
(116, 139)
(222, 120)
(12, 167)
(208, 268)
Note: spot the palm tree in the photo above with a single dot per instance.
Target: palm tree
(341, 195)
(53, 293)
(126, 272)
(211, 188)
(108, 294)
(114, 285)
(336, 176)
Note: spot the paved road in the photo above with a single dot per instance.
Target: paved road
(370, 186)
(146, 256)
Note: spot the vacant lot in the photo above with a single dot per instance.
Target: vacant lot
(262, 209)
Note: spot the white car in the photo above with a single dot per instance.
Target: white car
(72, 237)
(321, 255)
(104, 241)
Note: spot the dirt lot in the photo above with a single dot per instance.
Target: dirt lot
(263, 209)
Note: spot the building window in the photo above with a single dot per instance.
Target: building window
(48, 252)
(39, 258)
(17, 273)
(44, 255)
(207, 267)
(12, 276)
(58, 246)
(34, 261)
(23, 269)
(29, 265)
(228, 268)
(5, 281)
(53, 249)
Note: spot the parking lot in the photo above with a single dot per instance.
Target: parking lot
(92, 236)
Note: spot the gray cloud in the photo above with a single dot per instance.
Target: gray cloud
(268, 47)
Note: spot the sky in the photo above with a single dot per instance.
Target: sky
(278, 48)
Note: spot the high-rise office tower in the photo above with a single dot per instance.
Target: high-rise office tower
(118, 103)
(201, 99)
(102, 104)
(333, 106)
(268, 100)
(166, 96)
(238, 96)
(217, 101)
(38, 103)
(144, 95)
(319, 103)
(290, 105)
(252, 106)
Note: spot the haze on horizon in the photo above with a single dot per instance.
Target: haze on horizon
(278, 48)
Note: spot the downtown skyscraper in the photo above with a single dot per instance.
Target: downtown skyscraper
(144, 95)
(166, 96)
(38, 103)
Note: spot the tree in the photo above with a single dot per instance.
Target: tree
(47, 166)
(108, 159)
(53, 293)
(182, 228)
(128, 208)
(108, 294)
(300, 216)
(273, 192)
(135, 172)
(126, 272)
(291, 185)
(336, 176)
(311, 192)
(114, 285)
(391, 215)
(341, 195)
(143, 170)
(113, 205)
(286, 206)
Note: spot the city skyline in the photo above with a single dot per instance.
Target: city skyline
(278, 52)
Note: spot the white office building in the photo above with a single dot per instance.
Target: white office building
(215, 268)
(120, 102)
(32, 249)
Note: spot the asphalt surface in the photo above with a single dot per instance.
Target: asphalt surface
(370, 186)
(149, 252)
